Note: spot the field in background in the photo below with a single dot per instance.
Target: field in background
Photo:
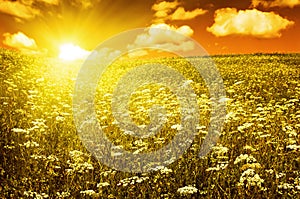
(257, 156)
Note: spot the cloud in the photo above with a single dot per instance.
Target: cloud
(18, 9)
(22, 42)
(181, 14)
(104, 54)
(275, 3)
(84, 4)
(19, 41)
(51, 2)
(162, 36)
(24, 9)
(165, 11)
(229, 21)
(165, 6)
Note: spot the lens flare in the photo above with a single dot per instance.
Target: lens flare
(71, 52)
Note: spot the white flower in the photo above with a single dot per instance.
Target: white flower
(163, 169)
(177, 127)
(250, 148)
(293, 147)
(249, 179)
(130, 181)
(103, 184)
(221, 166)
(220, 150)
(186, 83)
(59, 118)
(245, 157)
(88, 192)
(285, 186)
(244, 126)
(29, 144)
(187, 190)
(18, 130)
(63, 194)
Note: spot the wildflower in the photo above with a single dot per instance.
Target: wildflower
(293, 147)
(29, 144)
(103, 184)
(251, 166)
(198, 127)
(78, 165)
(265, 135)
(290, 141)
(33, 194)
(187, 190)
(163, 169)
(249, 179)
(219, 166)
(225, 99)
(270, 171)
(244, 126)
(285, 186)
(187, 83)
(52, 158)
(245, 157)
(18, 130)
(130, 181)
(2, 171)
(177, 127)
(88, 192)
(9, 147)
(250, 148)
(59, 118)
(115, 154)
(76, 155)
(280, 175)
(106, 173)
(34, 156)
(63, 194)
(220, 150)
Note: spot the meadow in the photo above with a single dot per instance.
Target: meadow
(257, 155)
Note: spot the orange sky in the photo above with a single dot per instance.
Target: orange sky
(221, 27)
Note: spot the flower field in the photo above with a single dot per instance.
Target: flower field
(257, 155)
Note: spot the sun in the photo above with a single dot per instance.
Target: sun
(71, 52)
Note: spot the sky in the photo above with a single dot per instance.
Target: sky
(220, 26)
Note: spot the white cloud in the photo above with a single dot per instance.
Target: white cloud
(18, 9)
(162, 36)
(166, 10)
(19, 41)
(275, 3)
(165, 6)
(181, 14)
(22, 42)
(229, 21)
(104, 54)
(163, 10)
(24, 9)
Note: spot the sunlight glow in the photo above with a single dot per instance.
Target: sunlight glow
(71, 52)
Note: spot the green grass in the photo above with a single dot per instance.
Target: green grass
(257, 156)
